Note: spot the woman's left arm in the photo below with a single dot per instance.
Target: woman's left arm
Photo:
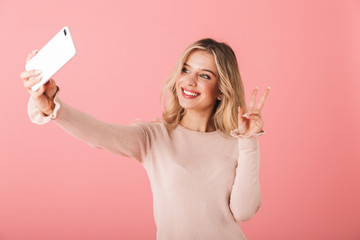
(245, 198)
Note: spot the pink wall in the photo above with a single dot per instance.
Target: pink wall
(53, 186)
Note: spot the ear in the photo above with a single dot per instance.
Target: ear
(219, 97)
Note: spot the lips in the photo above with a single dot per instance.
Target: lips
(189, 96)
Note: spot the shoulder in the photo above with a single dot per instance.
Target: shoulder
(154, 127)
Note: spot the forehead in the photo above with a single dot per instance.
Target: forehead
(202, 60)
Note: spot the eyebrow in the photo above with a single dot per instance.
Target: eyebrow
(202, 69)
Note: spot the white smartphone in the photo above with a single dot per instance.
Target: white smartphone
(53, 56)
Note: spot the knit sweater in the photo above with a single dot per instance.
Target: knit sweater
(204, 184)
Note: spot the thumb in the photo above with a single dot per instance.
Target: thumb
(241, 119)
(51, 88)
(31, 55)
(240, 110)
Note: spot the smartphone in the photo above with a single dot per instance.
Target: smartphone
(53, 56)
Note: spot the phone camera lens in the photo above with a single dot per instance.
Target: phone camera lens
(65, 32)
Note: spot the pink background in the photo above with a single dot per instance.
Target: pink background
(53, 186)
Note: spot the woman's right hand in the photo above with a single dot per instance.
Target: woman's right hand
(44, 96)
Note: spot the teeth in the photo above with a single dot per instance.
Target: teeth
(189, 93)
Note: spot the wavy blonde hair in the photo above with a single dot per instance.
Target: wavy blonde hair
(225, 112)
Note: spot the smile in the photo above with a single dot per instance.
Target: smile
(190, 94)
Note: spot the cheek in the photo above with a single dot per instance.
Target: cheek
(177, 87)
(179, 80)
(210, 89)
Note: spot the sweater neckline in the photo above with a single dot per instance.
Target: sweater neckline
(196, 132)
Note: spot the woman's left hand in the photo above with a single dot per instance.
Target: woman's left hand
(251, 122)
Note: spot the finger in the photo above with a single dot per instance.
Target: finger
(39, 92)
(50, 83)
(246, 115)
(242, 123)
(30, 83)
(255, 111)
(252, 100)
(241, 118)
(255, 116)
(262, 99)
(249, 114)
(240, 111)
(31, 55)
(241, 114)
(259, 124)
(28, 74)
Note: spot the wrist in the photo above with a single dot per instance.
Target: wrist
(253, 133)
(50, 111)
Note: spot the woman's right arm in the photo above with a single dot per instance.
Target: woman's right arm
(44, 105)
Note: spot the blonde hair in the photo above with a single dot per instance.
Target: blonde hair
(225, 113)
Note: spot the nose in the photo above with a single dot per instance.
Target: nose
(191, 80)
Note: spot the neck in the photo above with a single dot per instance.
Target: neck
(201, 122)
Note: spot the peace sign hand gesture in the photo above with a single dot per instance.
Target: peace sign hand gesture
(251, 122)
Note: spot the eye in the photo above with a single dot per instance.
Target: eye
(184, 70)
(205, 76)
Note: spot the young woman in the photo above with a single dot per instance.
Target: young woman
(202, 157)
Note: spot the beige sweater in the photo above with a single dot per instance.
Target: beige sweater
(204, 184)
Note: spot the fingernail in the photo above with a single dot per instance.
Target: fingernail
(38, 71)
(35, 51)
(256, 88)
(246, 115)
(268, 87)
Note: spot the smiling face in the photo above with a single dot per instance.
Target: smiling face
(197, 85)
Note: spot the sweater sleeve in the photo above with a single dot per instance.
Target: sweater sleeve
(245, 197)
(130, 141)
